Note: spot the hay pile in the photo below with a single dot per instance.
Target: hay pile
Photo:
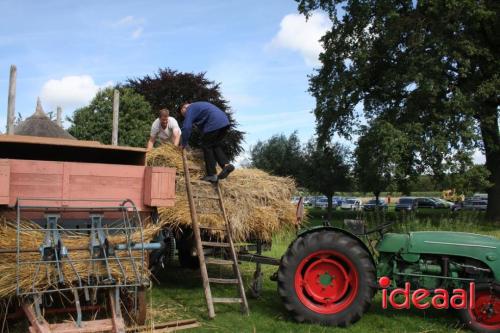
(44, 276)
(257, 203)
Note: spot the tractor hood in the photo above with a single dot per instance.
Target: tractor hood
(483, 248)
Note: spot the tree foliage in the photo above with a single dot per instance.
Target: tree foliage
(381, 159)
(280, 156)
(428, 67)
(94, 122)
(470, 180)
(326, 169)
(170, 89)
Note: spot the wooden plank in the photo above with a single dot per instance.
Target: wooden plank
(227, 300)
(223, 281)
(4, 182)
(176, 328)
(64, 142)
(159, 187)
(215, 244)
(68, 181)
(35, 179)
(94, 326)
(37, 327)
(65, 187)
(171, 326)
(219, 261)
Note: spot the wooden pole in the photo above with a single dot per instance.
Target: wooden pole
(11, 103)
(59, 114)
(116, 109)
(196, 230)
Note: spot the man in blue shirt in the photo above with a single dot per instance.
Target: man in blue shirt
(214, 125)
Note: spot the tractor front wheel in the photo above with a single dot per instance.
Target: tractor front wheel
(327, 277)
(485, 317)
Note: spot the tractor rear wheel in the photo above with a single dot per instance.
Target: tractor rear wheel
(327, 277)
(485, 317)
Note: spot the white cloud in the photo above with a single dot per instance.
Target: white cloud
(70, 92)
(130, 22)
(301, 35)
(137, 33)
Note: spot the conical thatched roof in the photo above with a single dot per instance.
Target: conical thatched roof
(41, 125)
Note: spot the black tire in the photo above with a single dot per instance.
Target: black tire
(492, 306)
(299, 263)
(185, 250)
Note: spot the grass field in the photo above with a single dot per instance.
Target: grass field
(178, 294)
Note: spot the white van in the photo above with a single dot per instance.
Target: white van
(351, 204)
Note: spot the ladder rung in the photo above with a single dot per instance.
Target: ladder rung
(208, 211)
(212, 228)
(210, 197)
(215, 244)
(223, 281)
(226, 300)
(218, 261)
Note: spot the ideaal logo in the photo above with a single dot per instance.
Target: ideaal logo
(460, 298)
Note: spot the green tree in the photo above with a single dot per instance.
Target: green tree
(380, 159)
(326, 169)
(170, 89)
(429, 67)
(280, 156)
(470, 180)
(94, 122)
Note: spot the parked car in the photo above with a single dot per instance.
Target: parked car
(475, 204)
(338, 201)
(470, 204)
(323, 203)
(425, 202)
(375, 204)
(308, 201)
(351, 204)
(480, 196)
(445, 203)
(406, 204)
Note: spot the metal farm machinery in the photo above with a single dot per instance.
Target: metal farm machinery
(79, 214)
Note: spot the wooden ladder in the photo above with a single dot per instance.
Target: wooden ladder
(200, 245)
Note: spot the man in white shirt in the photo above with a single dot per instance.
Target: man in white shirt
(164, 128)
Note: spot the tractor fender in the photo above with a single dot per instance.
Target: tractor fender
(345, 232)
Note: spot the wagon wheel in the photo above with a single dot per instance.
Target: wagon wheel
(485, 317)
(327, 277)
(134, 314)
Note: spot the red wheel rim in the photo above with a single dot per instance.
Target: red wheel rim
(326, 282)
(486, 313)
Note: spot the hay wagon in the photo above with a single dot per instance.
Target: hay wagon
(73, 216)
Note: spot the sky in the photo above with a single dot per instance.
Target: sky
(260, 51)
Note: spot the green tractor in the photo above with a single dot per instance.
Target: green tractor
(330, 276)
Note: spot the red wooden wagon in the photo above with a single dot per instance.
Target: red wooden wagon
(83, 187)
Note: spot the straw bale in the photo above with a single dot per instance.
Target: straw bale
(258, 204)
(44, 276)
